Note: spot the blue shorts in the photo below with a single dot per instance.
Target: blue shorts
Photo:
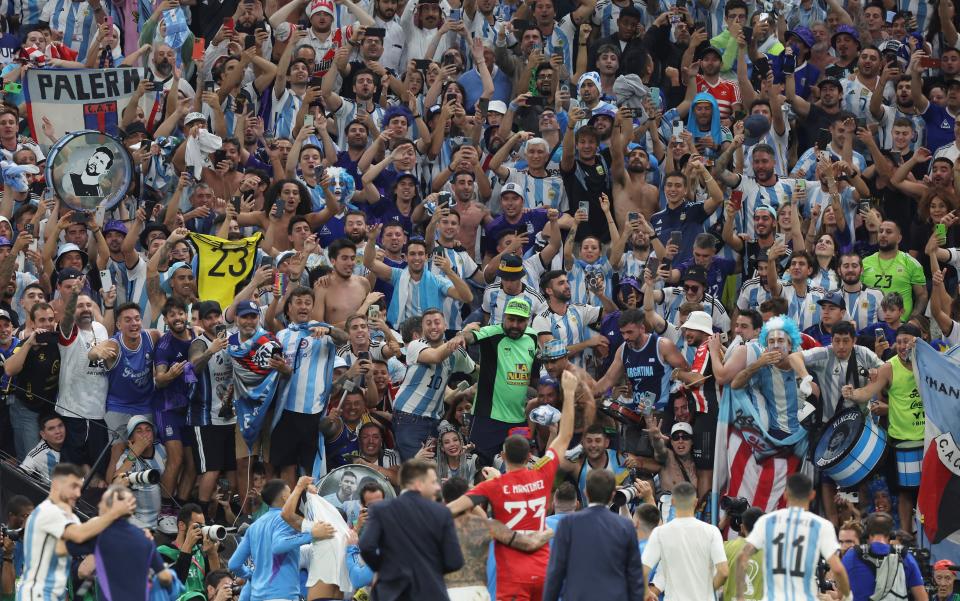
(171, 425)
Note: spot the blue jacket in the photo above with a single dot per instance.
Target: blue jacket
(275, 549)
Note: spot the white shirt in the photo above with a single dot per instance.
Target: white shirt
(45, 573)
(83, 383)
(687, 551)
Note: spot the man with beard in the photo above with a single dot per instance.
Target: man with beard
(87, 182)
(82, 385)
(556, 360)
(846, 43)
(585, 173)
(372, 454)
(364, 106)
(393, 241)
(818, 115)
(631, 191)
(569, 323)
(540, 186)
(867, 82)
(764, 188)
(892, 270)
(460, 259)
(341, 426)
(640, 238)
(862, 303)
(416, 288)
(803, 299)
(420, 21)
(510, 283)
(358, 341)
(682, 215)
(173, 397)
(419, 405)
(645, 359)
(321, 35)
(705, 256)
(755, 290)
(385, 16)
(342, 293)
(725, 91)
(904, 107)
(939, 120)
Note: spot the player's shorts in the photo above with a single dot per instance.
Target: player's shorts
(294, 440)
(171, 424)
(520, 591)
(214, 448)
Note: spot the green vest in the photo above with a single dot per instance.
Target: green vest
(906, 407)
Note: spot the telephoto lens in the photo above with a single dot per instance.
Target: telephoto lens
(214, 533)
(143, 478)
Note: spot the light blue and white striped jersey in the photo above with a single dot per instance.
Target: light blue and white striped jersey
(465, 267)
(793, 541)
(495, 300)
(855, 98)
(311, 358)
(578, 280)
(779, 144)
(481, 28)
(826, 279)
(752, 293)
(817, 196)
(631, 266)
(348, 112)
(540, 191)
(41, 460)
(891, 114)
(283, 114)
(132, 285)
(674, 296)
(606, 13)
(921, 9)
(798, 16)
(803, 309)
(807, 163)
(863, 307)
(561, 41)
(423, 387)
(775, 391)
(76, 21)
(28, 10)
(755, 195)
(573, 327)
(45, 572)
(148, 495)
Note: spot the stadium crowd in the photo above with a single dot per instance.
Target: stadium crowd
(530, 256)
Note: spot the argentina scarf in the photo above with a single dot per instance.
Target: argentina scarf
(255, 384)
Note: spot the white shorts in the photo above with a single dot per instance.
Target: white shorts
(469, 593)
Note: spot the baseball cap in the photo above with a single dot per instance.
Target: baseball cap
(681, 427)
(830, 81)
(114, 225)
(194, 116)
(135, 421)
(497, 106)
(603, 112)
(768, 209)
(205, 308)
(4, 314)
(511, 268)
(944, 564)
(320, 5)
(517, 307)
(134, 128)
(554, 349)
(247, 308)
(545, 415)
(754, 128)
(339, 362)
(68, 274)
(700, 321)
(707, 48)
(833, 298)
(695, 273)
(512, 187)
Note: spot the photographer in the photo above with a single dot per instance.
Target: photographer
(19, 509)
(879, 570)
(193, 554)
(753, 591)
(143, 454)
(221, 586)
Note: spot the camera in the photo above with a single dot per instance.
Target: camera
(144, 478)
(14, 534)
(734, 506)
(822, 583)
(623, 496)
(214, 533)
(236, 589)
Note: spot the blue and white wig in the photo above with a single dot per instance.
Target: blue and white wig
(781, 322)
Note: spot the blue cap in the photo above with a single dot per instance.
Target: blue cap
(833, 298)
(247, 308)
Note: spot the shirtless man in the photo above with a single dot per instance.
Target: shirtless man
(556, 360)
(472, 214)
(340, 294)
(631, 192)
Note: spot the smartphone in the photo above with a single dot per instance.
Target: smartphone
(218, 156)
(653, 264)
(677, 129)
(438, 251)
(584, 206)
(281, 282)
(108, 21)
(228, 24)
(655, 97)
(148, 208)
(863, 206)
(106, 282)
(220, 330)
(587, 113)
(208, 86)
(633, 216)
(316, 81)
(676, 238)
(444, 200)
(235, 201)
(456, 14)
(462, 385)
(748, 35)
(941, 231)
(239, 103)
(373, 312)
(277, 209)
(448, 59)
(861, 123)
(681, 4)
(736, 199)
(823, 139)
(762, 66)
(483, 104)
(363, 356)
(537, 101)
(13, 87)
(798, 184)
(29, 228)
(249, 41)
(788, 63)
(78, 217)
(422, 64)
(375, 32)
(308, 121)
(450, 98)
(928, 62)
(879, 334)
(198, 47)
(521, 25)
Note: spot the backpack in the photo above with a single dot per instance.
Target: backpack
(890, 581)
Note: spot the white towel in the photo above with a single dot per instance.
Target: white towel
(328, 558)
(197, 150)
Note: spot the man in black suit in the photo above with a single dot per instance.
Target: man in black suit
(411, 541)
(595, 553)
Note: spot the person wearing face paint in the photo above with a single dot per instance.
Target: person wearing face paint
(904, 410)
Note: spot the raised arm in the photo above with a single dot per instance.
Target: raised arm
(568, 385)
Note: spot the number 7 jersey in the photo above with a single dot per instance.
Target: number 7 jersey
(793, 541)
(519, 499)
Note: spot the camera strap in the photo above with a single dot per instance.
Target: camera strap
(683, 470)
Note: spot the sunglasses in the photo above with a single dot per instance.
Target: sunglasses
(681, 436)
(689, 288)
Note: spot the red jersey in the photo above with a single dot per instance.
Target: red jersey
(519, 499)
(726, 92)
